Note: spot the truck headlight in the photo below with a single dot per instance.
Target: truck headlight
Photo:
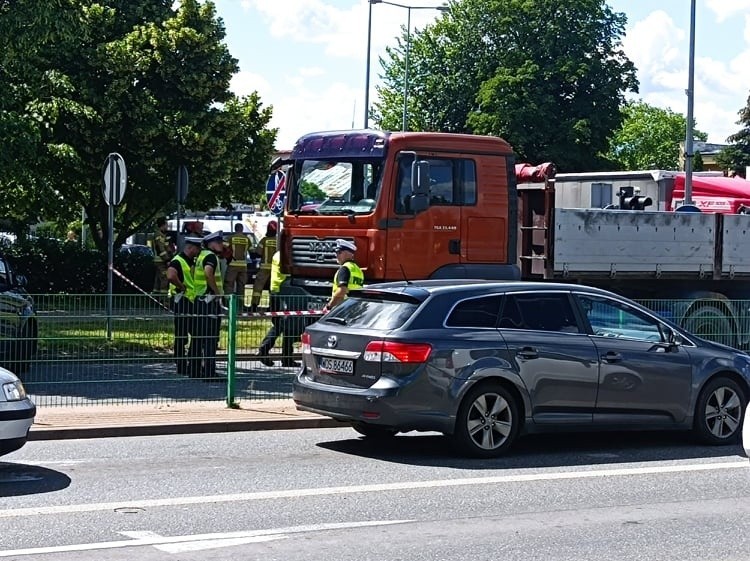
(14, 391)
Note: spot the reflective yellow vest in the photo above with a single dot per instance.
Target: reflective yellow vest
(187, 279)
(277, 277)
(356, 277)
(268, 247)
(200, 274)
(239, 244)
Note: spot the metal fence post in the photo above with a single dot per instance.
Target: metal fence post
(231, 349)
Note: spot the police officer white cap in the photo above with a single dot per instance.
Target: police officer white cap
(342, 244)
(193, 240)
(217, 236)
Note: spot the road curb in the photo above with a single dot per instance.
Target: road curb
(64, 433)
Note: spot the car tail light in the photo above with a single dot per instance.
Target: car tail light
(393, 351)
(306, 347)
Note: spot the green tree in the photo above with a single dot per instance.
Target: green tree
(548, 76)
(698, 164)
(150, 82)
(29, 29)
(311, 192)
(736, 157)
(649, 138)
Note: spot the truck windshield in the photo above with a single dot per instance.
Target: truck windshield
(335, 186)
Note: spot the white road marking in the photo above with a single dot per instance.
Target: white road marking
(197, 542)
(373, 488)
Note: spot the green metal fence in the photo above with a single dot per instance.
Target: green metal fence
(86, 356)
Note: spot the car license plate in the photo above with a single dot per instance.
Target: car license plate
(337, 365)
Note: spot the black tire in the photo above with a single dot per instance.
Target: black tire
(712, 323)
(488, 421)
(718, 412)
(374, 432)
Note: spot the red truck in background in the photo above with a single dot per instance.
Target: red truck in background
(441, 205)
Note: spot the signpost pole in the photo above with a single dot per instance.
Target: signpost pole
(115, 181)
(110, 264)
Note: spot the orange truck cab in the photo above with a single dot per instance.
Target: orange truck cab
(410, 201)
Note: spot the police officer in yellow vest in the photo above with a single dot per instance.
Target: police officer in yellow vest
(236, 274)
(180, 273)
(208, 293)
(266, 248)
(279, 324)
(349, 276)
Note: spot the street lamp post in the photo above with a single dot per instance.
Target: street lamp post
(442, 8)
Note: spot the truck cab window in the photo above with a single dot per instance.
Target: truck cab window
(336, 187)
(452, 182)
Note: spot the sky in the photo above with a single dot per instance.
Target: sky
(307, 58)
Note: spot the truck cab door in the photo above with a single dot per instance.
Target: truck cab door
(421, 243)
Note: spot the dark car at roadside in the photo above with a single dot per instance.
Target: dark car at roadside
(18, 323)
(484, 362)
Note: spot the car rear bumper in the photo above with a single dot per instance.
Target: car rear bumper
(388, 407)
(16, 419)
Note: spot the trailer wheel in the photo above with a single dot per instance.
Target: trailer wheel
(712, 323)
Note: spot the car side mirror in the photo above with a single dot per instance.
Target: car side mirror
(674, 339)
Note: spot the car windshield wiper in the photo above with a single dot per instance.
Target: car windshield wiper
(340, 321)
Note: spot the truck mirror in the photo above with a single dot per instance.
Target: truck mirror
(420, 178)
(419, 203)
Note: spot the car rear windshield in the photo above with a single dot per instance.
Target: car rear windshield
(372, 312)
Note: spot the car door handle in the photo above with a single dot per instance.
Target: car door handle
(528, 352)
(612, 356)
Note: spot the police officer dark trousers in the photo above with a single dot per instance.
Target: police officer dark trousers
(181, 297)
(208, 291)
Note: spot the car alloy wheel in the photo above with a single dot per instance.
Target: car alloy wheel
(719, 411)
(487, 422)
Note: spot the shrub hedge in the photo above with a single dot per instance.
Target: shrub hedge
(53, 266)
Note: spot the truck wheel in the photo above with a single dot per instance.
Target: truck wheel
(374, 431)
(711, 322)
(718, 412)
(487, 422)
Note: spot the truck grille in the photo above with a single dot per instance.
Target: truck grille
(315, 252)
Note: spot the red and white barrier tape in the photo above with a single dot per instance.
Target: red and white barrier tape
(290, 313)
(139, 289)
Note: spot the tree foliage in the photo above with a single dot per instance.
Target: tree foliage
(649, 138)
(150, 81)
(736, 157)
(548, 76)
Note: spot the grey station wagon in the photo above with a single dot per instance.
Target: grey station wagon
(483, 362)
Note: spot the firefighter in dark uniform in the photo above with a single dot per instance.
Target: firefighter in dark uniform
(348, 277)
(182, 296)
(208, 309)
(236, 274)
(163, 253)
(265, 250)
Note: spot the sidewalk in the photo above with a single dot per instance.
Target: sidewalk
(100, 421)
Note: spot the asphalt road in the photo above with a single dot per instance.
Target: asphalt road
(327, 494)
